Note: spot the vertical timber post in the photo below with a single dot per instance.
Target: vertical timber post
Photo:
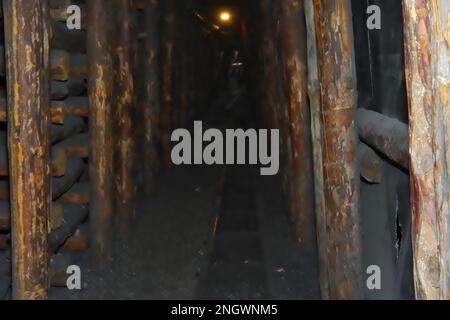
(168, 69)
(125, 186)
(274, 100)
(294, 56)
(427, 55)
(27, 52)
(152, 101)
(268, 52)
(99, 51)
(336, 63)
(316, 134)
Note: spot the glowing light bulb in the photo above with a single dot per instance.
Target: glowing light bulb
(225, 16)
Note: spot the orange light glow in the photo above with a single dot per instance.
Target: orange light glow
(225, 16)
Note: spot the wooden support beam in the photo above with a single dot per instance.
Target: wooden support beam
(57, 110)
(151, 103)
(57, 216)
(268, 51)
(78, 106)
(370, 164)
(427, 60)
(60, 185)
(65, 65)
(294, 53)
(78, 66)
(99, 51)
(336, 64)
(76, 146)
(125, 184)
(74, 169)
(72, 125)
(275, 103)
(73, 216)
(58, 268)
(58, 162)
(168, 35)
(5, 241)
(60, 65)
(65, 39)
(4, 190)
(316, 136)
(78, 194)
(79, 240)
(28, 55)
(5, 216)
(62, 89)
(388, 136)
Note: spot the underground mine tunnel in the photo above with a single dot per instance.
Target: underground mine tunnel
(224, 149)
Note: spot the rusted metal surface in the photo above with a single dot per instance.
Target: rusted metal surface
(316, 136)
(426, 28)
(101, 102)
(387, 135)
(167, 82)
(294, 52)
(125, 185)
(28, 77)
(336, 64)
(152, 102)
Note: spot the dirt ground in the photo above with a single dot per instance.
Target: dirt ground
(226, 236)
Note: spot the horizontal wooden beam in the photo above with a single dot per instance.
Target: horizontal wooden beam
(370, 164)
(73, 216)
(65, 39)
(72, 125)
(387, 135)
(62, 89)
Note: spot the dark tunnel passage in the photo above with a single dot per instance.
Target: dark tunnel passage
(223, 150)
(225, 231)
(211, 231)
